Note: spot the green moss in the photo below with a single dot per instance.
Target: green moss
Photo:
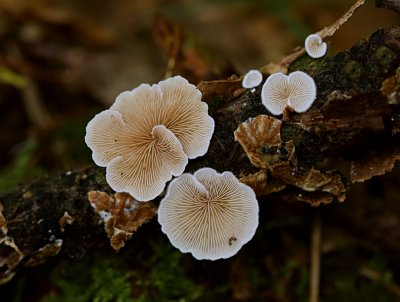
(166, 280)
(307, 64)
(386, 58)
(22, 167)
(161, 277)
(9, 77)
(345, 283)
(105, 281)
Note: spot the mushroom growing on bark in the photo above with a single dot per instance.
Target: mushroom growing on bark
(314, 46)
(297, 90)
(252, 79)
(148, 135)
(209, 214)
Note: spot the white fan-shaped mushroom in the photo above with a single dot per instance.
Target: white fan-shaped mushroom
(275, 93)
(143, 173)
(297, 90)
(314, 46)
(302, 91)
(208, 214)
(148, 135)
(252, 79)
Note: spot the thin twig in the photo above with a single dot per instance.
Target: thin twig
(315, 256)
(330, 30)
(377, 277)
(326, 32)
(33, 103)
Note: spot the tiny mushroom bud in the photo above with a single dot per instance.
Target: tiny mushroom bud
(209, 214)
(252, 79)
(314, 46)
(148, 134)
(298, 90)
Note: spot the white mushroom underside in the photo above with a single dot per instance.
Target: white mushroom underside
(252, 79)
(144, 170)
(174, 103)
(298, 90)
(210, 215)
(102, 136)
(148, 135)
(302, 91)
(275, 93)
(314, 46)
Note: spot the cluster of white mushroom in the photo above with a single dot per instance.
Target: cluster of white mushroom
(296, 90)
(145, 138)
(149, 134)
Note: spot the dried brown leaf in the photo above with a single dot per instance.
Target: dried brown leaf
(261, 140)
(3, 223)
(101, 201)
(391, 88)
(315, 199)
(49, 250)
(10, 257)
(64, 220)
(118, 239)
(313, 180)
(122, 215)
(220, 88)
(345, 112)
(375, 163)
(262, 184)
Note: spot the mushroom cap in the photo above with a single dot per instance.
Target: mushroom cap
(303, 91)
(209, 214)
(297, 90)
(148, 134)
(174, 103)
(314, 46)
(275, 93)
(252, 79)
(144, 171)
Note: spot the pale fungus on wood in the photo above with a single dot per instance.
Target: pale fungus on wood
(252, 78)
(297, 90)
(209, 214)
(314, 46)
(148, 135)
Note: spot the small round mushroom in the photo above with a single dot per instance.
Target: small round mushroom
(303, 91)
(298, 90)
(208, 214)
(252, 79)
(148, 134)
(314, 46)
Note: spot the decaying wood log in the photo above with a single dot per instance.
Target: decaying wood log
(389, 4)
(356, 114)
